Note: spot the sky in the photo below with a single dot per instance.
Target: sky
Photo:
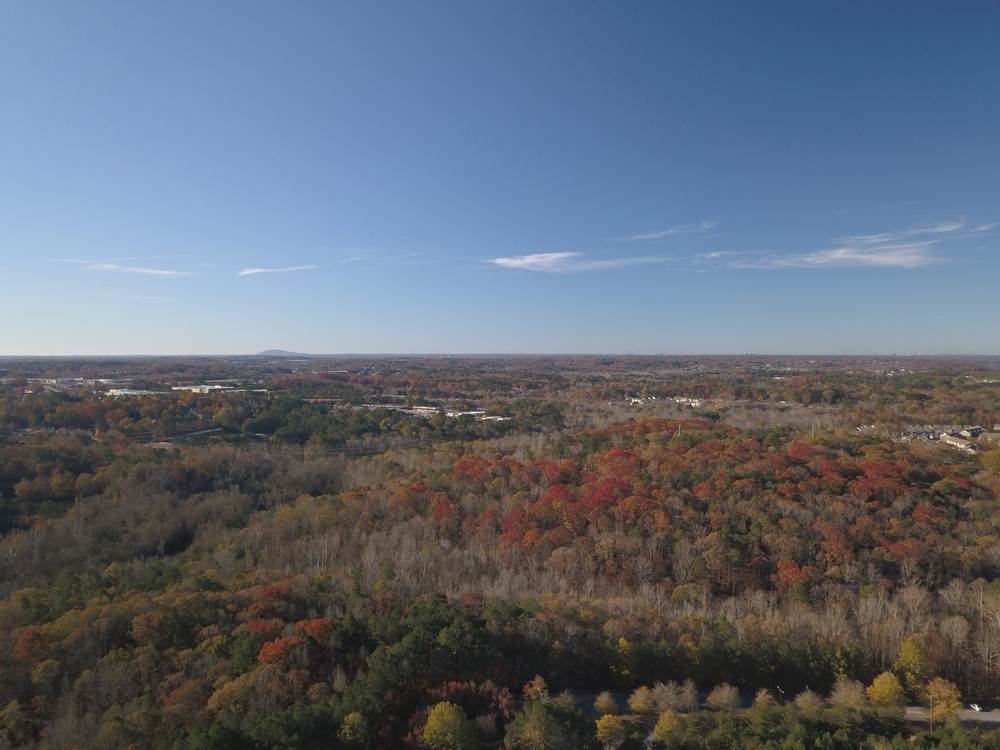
(499, 177)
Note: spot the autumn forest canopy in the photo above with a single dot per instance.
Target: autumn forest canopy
(450, 553)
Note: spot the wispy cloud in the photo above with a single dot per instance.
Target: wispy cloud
(905, 249)
(549, 262)
(948, 228)
(659, 234)
(612, 263)
(123, 265)
(569, 262)
(116, 268)
(287, 269)
(716, 254)
(124, 259)
(375, 257)
(980, 228)
(912, 255)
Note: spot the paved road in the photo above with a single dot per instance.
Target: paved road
(915, 714)
(966, 715)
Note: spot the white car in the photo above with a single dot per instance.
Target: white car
(975, 707)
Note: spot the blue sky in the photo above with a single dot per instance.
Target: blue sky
(698, 177)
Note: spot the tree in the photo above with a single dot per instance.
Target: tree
(14, 725)
(667, 723)
(808, 703)
(688, 699)
(670, 695)
(642, 701)
(610, 731)
(991, 460)
(605, 704)
(448, 729)
(724, 698)
(354, 730)
(535, 689)
(943, 699)
(666, 695)
(848, 694)
(911, 665)
(544, 725)
(566, 697)
(763, 699)
(886, 692)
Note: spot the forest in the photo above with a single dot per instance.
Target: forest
(452, 553)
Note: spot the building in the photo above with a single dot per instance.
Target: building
(199, 388)
(955, 441)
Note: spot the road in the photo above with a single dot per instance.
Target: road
(914, 714)
(966, 716)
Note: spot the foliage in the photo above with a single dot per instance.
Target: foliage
(943, 699)
(447, 728)
(723, 697)
(849, 694)
(281, 584)
(546, 725)
(605, 704)
(642, 700)
(666, 724)
(611, 731)
(808, 703)
(912, 666)
(886, 691)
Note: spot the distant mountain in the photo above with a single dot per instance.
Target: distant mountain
(280, 353)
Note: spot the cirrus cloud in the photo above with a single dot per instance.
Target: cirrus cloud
(897, 256)
(568, 262)
(904, 249)
(125, 265)
(287, 269)
(116, 268)
(659, 234)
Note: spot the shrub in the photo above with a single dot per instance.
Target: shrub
(724, 698)
(605, 704)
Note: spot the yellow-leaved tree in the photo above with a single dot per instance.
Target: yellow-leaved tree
(610, 731)
(886, 692)
(943, 699)
(448, 729)
(642, 701)
(666, 725)
(911, 665)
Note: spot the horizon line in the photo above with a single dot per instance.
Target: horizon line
(308, 355)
